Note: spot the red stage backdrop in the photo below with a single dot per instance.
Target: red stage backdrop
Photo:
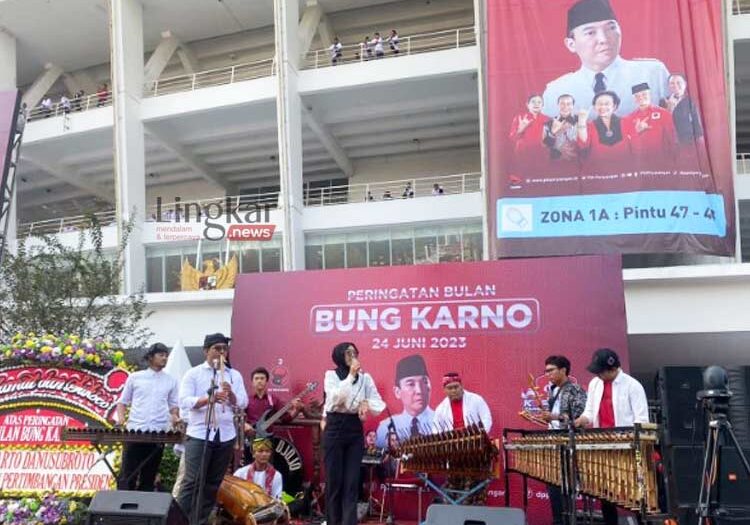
(644, 169)
(493, 322)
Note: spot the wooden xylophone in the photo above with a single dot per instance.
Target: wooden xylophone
(615, 464)
(468, 452)
(111, 436)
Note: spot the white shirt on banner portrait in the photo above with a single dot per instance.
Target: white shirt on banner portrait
(345, 396)
(628, 400)
(620, 76)
(195, 385)
(150, 396)
(475, 409)
(403, 424)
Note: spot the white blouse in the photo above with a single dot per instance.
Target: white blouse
(345, 396)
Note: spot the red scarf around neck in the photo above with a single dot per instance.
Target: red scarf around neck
(270, 474)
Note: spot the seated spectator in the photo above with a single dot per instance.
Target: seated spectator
(377, 44)
(47, 106)
(393, 41)
(23, 116)
(408, 192)
(368, 197)
(65, 104)
(437, 189)
(102, 95)
(387, 195)
(77, 98)
(335, 51)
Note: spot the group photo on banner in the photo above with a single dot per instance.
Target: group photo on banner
(607, 128)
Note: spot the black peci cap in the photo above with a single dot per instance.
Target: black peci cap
(212, 339)
(587, 11)
(409, 366)
(643, 86)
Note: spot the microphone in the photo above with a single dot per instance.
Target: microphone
(215, 364)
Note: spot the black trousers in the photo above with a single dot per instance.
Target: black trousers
(218, 456)
(609, 513)
(133, 454)
(555, 501)
(344, 448)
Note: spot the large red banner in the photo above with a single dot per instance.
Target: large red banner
(608, 127)
(492, 322)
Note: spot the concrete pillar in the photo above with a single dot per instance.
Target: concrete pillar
(41, 85)
(160, 57)
(7, 61)
(488, 244)
(8, 83)
(308, 26)
(126, 44)
(289, 116)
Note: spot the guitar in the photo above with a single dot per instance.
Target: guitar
(267, 420)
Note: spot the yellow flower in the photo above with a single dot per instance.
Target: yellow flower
(68, 350)
(73, 506)
(97, 359)
(46, 349)
(79, 352)
(29, 343)
(89, 357)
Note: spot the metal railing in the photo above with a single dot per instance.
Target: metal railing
(211, 77)
(432, 187)
(75, 105)
(64, 224)
(740, 7)
(743, 163)
(393, 189)
(407, 45)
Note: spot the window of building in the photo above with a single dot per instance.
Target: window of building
(744, 211)
(394, 247)
(154, 277)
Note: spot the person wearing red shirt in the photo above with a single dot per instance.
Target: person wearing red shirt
(615, 399)
(653, 138)
(261, 400)
(527, 135)
(603, 143)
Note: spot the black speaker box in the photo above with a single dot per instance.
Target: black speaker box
(438, 514)
(686, 468)
(122, 507)
(682, 418)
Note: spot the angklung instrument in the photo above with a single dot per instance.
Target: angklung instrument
(467, 452)
(246, 503)
(612, 464)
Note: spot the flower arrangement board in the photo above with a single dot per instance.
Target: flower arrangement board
(47, 383)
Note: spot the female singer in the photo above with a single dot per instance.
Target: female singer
(350, 395)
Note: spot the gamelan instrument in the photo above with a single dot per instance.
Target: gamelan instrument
(248, 504)
(468, 451)
(612, 464)
(113, 436)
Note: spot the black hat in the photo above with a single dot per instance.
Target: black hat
(643, 86)
(412, 365)
(212, 339)
(587, 11)
(602, 360)
(156, 348)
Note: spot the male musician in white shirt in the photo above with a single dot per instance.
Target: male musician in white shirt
(461, 408)
(260, 471)
(151, 395)
(614, 399)
(196, 393)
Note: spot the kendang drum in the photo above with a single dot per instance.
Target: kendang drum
(244, 503)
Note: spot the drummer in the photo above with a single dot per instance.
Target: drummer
(260, 471)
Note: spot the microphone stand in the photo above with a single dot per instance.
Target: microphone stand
(197, 502)
(390, 520)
